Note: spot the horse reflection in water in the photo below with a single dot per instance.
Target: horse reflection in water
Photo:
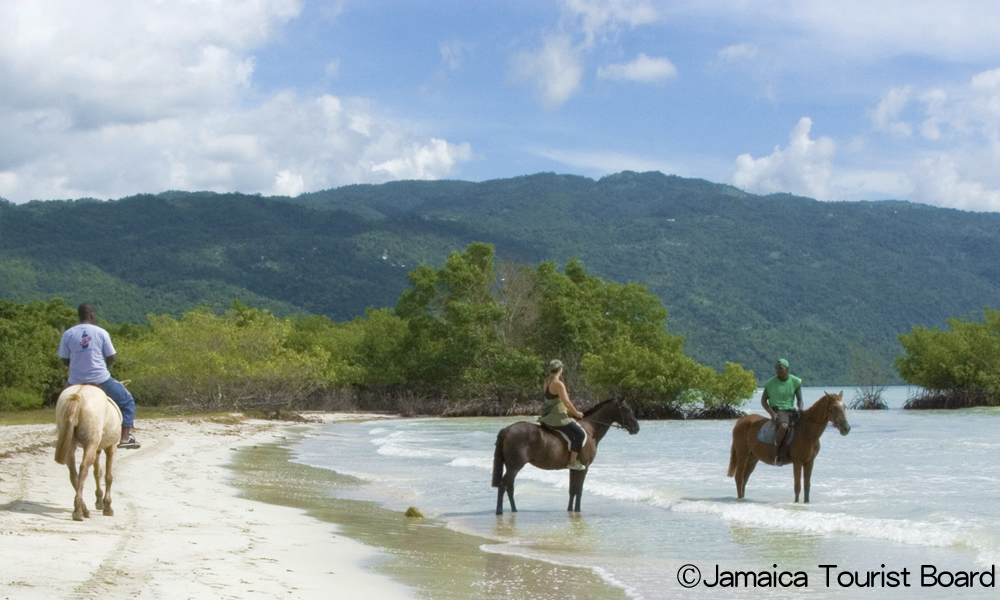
(527, 443)
(747, 450)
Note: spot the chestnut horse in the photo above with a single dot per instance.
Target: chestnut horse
(747, 450)
(86, 417)
(525, 442)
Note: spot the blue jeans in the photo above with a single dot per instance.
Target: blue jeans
(122, 398)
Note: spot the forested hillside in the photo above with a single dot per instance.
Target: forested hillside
(744, 278)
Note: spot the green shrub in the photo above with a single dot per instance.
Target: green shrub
(12, 399)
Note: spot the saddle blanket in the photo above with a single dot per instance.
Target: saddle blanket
(766, 434)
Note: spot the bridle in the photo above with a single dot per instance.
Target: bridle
(612, 424)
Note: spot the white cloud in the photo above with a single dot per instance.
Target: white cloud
(801, 168)
(938, 181)
(738, 52)
(452, 54)
(935, 99)
(555, 70)
(959, 164)
(885, 116)
(287, 183)
(643, 69)
(425, 161)
(332, 70)
(960, 30)
(600, 18)
(113, 97)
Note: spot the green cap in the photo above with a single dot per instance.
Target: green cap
(782, 362)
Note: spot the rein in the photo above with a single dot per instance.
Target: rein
(615, 425)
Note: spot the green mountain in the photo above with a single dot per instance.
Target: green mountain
(745, 278)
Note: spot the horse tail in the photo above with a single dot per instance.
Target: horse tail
(732, 460)
(498, 459)
(65, 443)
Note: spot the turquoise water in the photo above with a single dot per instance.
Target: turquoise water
(910, 490)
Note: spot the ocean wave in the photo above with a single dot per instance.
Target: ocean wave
(902, 531)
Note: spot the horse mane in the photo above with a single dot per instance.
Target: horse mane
(596, 407)
(824, 400)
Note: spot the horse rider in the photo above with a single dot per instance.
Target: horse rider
(87, 350)
(558, 413)
(782, 399)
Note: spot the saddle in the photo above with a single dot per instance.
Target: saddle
(766, 433)
(566, 437)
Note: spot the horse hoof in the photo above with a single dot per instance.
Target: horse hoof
(108, 512)
(99, 505)
(77, 516)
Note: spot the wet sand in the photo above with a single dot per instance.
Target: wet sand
(423, 554)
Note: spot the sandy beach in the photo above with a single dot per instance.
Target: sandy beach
(179, 530)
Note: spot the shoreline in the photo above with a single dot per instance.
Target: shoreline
(180, 528)
(426, 555)
(216, 508)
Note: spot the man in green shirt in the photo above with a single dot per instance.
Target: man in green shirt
(782, 399)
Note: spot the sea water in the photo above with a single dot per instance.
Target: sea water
(906, 505)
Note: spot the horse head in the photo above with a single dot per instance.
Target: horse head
(626, 417)
(836, 412)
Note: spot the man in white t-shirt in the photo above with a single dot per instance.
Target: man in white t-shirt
(87, 350)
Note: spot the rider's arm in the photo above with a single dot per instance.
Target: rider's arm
(798, 398)
(765, 404)
(564, 397)
(110, 360)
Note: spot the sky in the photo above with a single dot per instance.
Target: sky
(830, 99)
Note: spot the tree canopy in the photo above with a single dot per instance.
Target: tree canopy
(470, 330)
(966, 357)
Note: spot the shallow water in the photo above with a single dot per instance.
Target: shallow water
(910, 490)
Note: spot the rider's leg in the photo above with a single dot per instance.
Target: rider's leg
(120, 396)
(780, 431)
(577, 437)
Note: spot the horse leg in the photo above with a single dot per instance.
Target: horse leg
(99, 501)
(807, 471)
(508, 484)
(500, 493)
(797, 470)
(80, 510)
(575, 489)
(748, 467)
(71, 465)
(109, 461)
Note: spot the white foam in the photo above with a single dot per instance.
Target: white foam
(901, 531)
(466, 461)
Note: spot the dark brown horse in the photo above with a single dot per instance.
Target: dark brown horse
(747, 450)
(525, 442)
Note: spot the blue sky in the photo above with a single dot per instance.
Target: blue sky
(836, 100)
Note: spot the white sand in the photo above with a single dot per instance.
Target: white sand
(178, 531)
